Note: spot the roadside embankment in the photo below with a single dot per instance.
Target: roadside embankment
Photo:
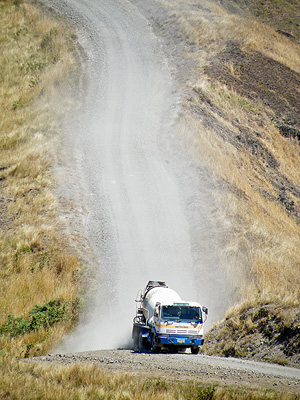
(38, 275)
(241, 117)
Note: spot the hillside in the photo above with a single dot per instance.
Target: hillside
(282, 15)
(38, 268)
(268, 327)
(238, 67)
(241, 80)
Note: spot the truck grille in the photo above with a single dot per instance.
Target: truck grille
(180, 331)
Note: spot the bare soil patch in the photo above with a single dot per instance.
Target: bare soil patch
(262, 80)
(270, 87)
(283, 15)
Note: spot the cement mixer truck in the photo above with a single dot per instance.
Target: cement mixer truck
(165, 322)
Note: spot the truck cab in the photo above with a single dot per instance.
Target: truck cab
(178, 326)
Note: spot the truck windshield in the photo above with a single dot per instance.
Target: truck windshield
(182, 313)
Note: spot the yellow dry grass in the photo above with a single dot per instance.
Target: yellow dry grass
(260, 238)
(86, 381)
(257, 231)
(211, 34)
(36, 262)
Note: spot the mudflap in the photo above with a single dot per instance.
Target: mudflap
(140, 335)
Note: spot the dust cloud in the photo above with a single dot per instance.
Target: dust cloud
(144, 204)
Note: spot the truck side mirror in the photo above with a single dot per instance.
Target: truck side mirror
(205, 310)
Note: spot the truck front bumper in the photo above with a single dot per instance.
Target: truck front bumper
(184, 341)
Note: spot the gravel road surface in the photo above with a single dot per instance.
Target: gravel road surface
(213, 370)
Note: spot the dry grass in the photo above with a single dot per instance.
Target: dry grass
(36, 265)
(261, 238)
(34, 381)
(211, 34)
(260, 241)
(256, 227)
(253, 225)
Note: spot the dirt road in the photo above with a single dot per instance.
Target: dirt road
(137, 193)
(212, 370)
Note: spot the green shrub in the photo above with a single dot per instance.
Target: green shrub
(47, 315)
(15, 326)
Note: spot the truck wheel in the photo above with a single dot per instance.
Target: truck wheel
(195, 350)
(155, 348)
(147, 345)
(136, 341)
(141, 342)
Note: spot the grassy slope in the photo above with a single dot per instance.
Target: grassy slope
(261, 76)
(283, 15)
(36, 265)
(243, 100)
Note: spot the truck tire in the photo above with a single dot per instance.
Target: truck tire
(155, 348)
(147, 345)
(195, 350)
(141, 342)
(136, 340)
